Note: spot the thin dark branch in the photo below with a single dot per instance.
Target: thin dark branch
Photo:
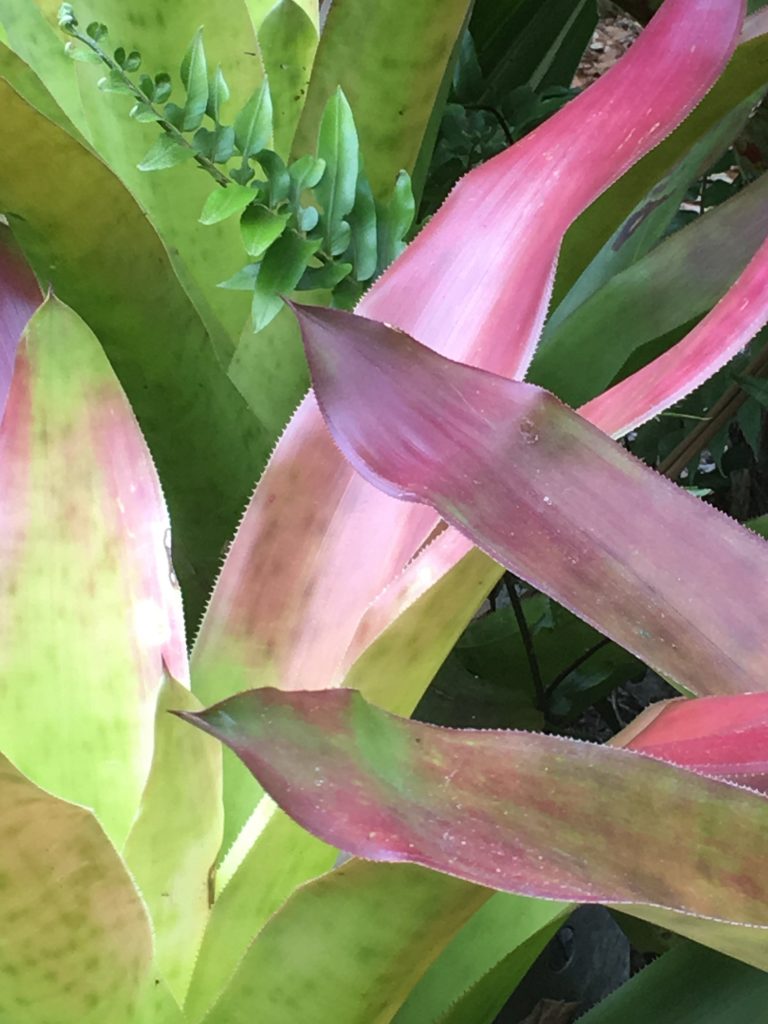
(502, 121)
(525, 633)
(562, 676)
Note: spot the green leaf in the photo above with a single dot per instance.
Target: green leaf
(162, 89)
(81, 53)
(395, 216)
(253, 125)
(144, 113)
(133, 61)
(337, 145)
(687, 985)
(225, 202)
(364, 237)
(176, 837)
(194, 75)
(76, 939)
(327, 276)
(260, 227)
(217, 145)
(280, 272)
(507, 932)
(287, 40)
(113, 82)
(166, 152)
(116, 272)
(305, 173)
(218, 94)
(389, 923)
(278, 178)
(755, 387)
(244, 280)
(390, 60)
(272, 857)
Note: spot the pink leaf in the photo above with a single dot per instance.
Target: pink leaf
(724, 737)
(733, 322)
(475, 285)
(539, 815)
(551, 497)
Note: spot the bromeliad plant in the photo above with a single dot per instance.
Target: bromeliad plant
(331, 582)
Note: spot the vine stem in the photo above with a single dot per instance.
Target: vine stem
(70, 27)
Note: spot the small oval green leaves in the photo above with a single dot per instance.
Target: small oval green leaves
(194, 75)
(260, 227)
(226, 202)
(364, 237)
(281, 270)
(166, 152)
(337, 145)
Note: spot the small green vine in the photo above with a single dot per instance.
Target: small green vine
(312, 224)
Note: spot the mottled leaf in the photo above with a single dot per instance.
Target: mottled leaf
(485, 806)
(288, 40)
(76, 945)
(82, 514)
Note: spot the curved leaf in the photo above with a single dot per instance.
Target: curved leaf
(76, 945)
(551, 497)
(175, 839)
(81, 513)
(111, 267)
(479, 298)
(537, 815)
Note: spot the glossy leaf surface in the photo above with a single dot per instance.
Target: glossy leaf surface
(485, 806)
(551, 497)
(81, 513)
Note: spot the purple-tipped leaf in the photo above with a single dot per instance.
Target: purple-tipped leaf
(538, 815)
(551, 497)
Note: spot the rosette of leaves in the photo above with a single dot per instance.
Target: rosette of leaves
(310, 225)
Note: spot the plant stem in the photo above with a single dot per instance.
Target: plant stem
(562, 676)
(722, 411)
(525, 634)
(170, 129)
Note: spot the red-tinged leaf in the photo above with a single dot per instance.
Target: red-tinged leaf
(551, 497)
(19, 297)
(538, 815)
(724, 737)
(474, 285)
(723, 333)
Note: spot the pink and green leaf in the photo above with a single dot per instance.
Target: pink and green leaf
(84, 551)
(284, 611)
(549, 496)
(19, 297)
(538, 815)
